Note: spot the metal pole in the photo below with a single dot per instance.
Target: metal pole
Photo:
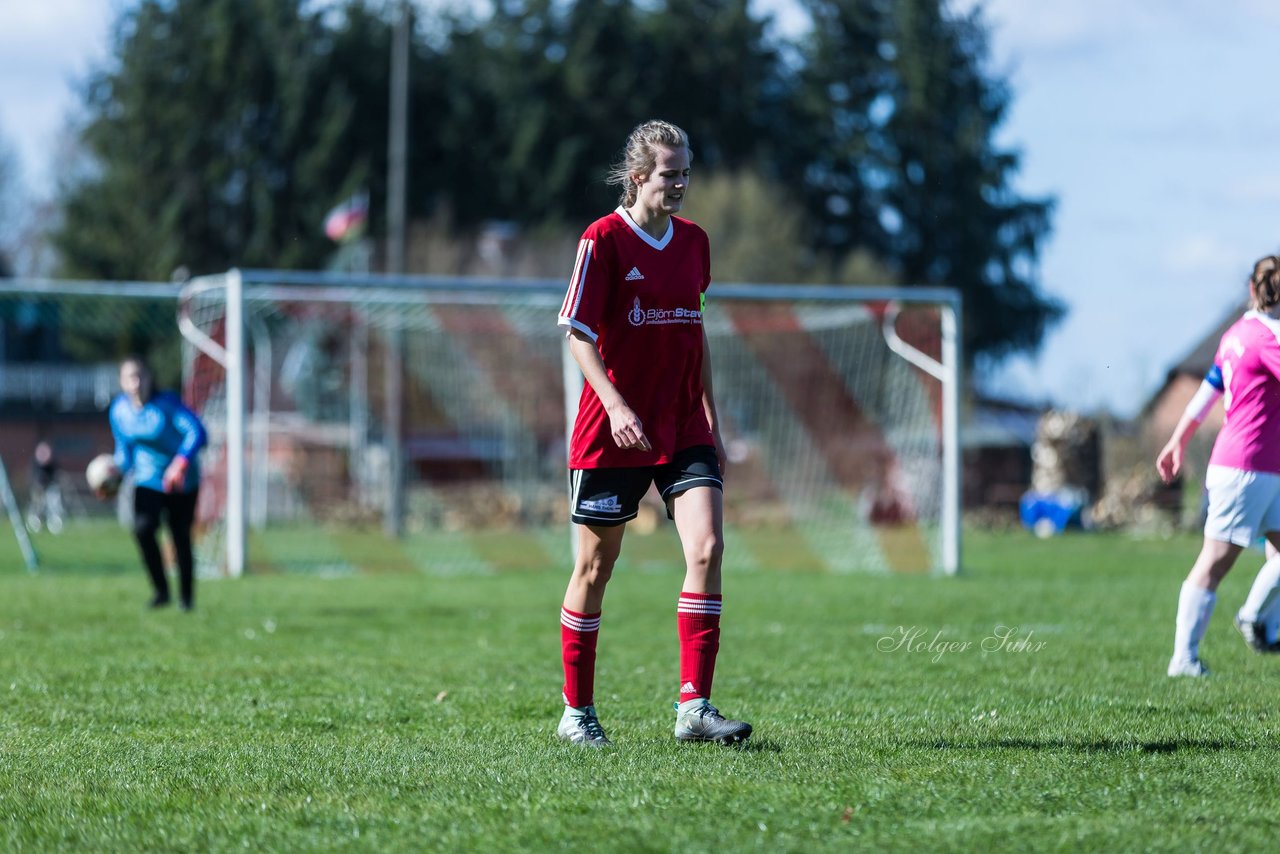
(393, 389)
(259, 500)
(946, 372)
(397, 141)
(15, 519)
(951, 431)
(397, 148)
(235, 425)
(358, 403)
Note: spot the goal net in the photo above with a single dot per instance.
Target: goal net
(60, 346)
(436, 408)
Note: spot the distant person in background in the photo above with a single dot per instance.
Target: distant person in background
(1243, 478)
(157, 440)
(46, 494)
(44, 468)
(633, 314)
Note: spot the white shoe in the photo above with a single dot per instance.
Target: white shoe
(698, 720)
(1179, 666)
(581, 726)
(1255, 635)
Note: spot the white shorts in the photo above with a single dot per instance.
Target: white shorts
(1242, 504)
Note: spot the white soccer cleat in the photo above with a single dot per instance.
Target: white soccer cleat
(581, 726)
(698, 720)
(1179, 666)
(1255, 635)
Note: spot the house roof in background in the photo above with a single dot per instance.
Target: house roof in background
(998, 423)
(1197, 361)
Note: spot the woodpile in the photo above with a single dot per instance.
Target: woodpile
(1066, 454)
(1136, 499)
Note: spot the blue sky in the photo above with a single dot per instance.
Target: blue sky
(1155, 124)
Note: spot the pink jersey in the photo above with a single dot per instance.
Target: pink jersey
(1249, 357)
(640, 300)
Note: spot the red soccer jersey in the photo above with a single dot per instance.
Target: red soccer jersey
(640, 300)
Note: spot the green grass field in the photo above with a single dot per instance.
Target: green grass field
(416, 711)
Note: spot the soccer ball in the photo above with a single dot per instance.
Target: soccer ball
(103, 475)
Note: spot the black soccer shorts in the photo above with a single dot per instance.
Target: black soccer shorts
(610, 497)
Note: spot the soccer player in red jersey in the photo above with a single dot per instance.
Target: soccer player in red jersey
(647, 415)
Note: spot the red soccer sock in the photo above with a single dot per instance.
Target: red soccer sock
(578, 633)
(698, 623)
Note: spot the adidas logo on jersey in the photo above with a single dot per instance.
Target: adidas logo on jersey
(635, 275)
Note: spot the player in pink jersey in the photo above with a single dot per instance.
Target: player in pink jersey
(1243, 478)
(647, 415)
(1258, 619)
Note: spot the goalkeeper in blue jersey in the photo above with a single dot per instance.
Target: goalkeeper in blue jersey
(157, 440)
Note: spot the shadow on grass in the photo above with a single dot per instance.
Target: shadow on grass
(1105, 745)
(760, 745)
(751, 745)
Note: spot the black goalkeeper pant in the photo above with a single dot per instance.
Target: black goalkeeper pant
(179, 512)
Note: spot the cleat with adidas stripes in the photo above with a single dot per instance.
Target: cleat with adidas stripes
(698, 720)
(1255, 635)
(581, 726)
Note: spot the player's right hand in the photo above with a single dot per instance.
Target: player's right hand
(109, 489)
(1169, 463)
(627, 430)
(175, 474)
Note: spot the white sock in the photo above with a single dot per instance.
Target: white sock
(687, 705)
(1195, 606)
(1266, 588)
(576, 711)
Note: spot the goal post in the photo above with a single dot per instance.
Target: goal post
(229, 354)
(839, 409)
(16, 522)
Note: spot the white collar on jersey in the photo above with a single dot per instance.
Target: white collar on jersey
(1266, 320)
(644, 235)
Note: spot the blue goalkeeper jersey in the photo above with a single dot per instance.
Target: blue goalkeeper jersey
(148, 439)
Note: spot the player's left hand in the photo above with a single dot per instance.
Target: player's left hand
(175, 475)
(721, 456)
